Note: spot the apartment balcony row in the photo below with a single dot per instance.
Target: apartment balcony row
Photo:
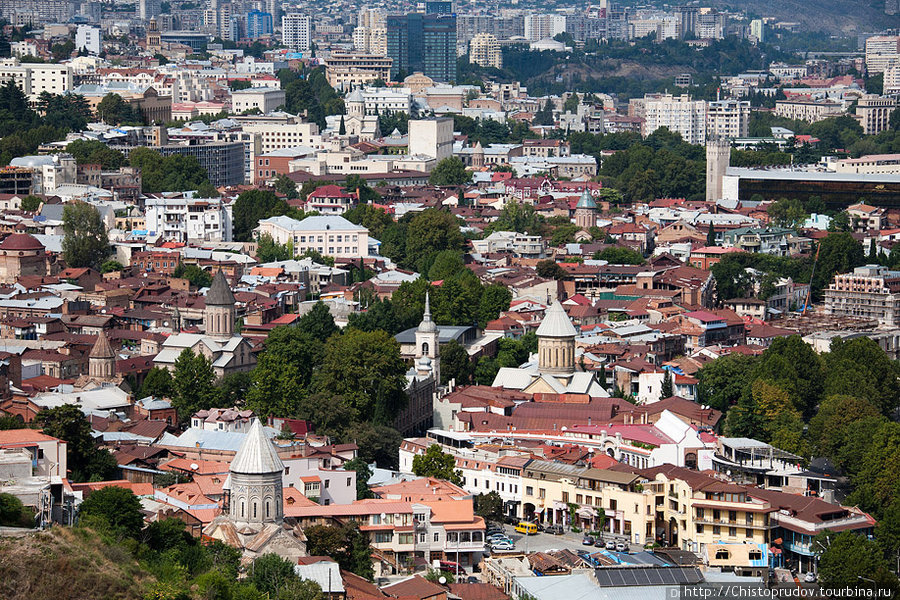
(733, 523)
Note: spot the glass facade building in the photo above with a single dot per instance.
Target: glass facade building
(422, 42)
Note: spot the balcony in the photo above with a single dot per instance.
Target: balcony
(730, 523)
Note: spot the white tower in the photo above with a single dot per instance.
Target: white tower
(255, 482)
(718, 159)
(428, 354)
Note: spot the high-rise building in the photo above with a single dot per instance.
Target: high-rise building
(892, 79)
(147, 9)
(88, 38)
(874, 113)
(679, 114)
(686, 20)
(758, 30)
(438, 7)
(484, 50)
(259, 24)
(295, 31)
(728, 119)
(539, 27)
(373, 18)
(881, 52)
(420, 42)
(370, 41)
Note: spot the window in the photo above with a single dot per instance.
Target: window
(383, 537)
(732, 532)
(722, 554)
(699, 513)
(699, 528)
(542, 493)
(437, 536)
(405, 538)
(565, 497)
(422, 538)
(348, 481)
(579, 498)
(327, 481)
(717, 530)
(732, 516)
(529, 491)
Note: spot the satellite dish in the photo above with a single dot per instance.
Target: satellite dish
(194, 466)
(443, 580)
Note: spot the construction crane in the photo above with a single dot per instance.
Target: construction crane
(811, 276)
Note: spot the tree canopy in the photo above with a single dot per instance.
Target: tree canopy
(85, 243)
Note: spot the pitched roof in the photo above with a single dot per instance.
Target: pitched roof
(219, 293)
(556, 323)
(101, 348)
(256, 454)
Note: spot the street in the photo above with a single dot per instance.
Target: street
(542, 542)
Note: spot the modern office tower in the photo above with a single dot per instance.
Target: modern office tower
(259, 24)
(147, 9)
(687, 20)
(539, 27)
(484, 50)
(420, 42)
(295, 31)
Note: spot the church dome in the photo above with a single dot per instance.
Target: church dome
(21, 241)
(586, 200)
(556, 323)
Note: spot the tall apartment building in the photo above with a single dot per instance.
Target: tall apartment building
(686, 17)
(295, 31)
(484, 50)
(881, 51)
(680, 114)
(422, 42)
(223, 162)
(711, 25)
(259, 24)
(539, 27)
(758, 30)
(88, 38)
(368, 40)
(149, 9)
(870, 291)
(874, 113)
(728, 119)
(892, 79)
(25, 12)
(373, 18)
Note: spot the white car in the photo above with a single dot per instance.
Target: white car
(810, 578)
(621, 547)
(502, 545)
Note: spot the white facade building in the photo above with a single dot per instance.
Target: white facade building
(539, 27)
(728, 119)
(295, 31)
(680, 114)
(327, 235)
(186, 220)
(264, 98)
(88, 38)
(34, 78)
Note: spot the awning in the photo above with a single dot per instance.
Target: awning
(586, 512)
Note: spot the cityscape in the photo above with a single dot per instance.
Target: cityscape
(449, 300)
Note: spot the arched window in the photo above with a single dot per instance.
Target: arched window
(424, 348)
(242, 508)
(267, 508)
(254, 510)
(722, 554)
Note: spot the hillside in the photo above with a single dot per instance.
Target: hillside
(834, 16)
(67, 564)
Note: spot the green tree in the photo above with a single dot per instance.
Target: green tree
(84, 460)
(860, 368)
(438, 464)
(346, 544)
(620, 255)
(31, 203)
(95, 152)
(114, 509)
(667, 389)
(286, 186)
(111, 266)
(494, 300)
(838, 253)
(281, 379)
(193, 384)
(549, 269)
(849, 560)
(489, 506)
(270, 574)
(13, 513)
(449, 171)
(113, 110)
(711, 236)
(85, 243)
(365, 369)
(250, 208)
(379, 444)
(363, 474)
(318, 322)
(376, 220)
(792, 365)
(429, 232)
(197, 277)
(447, 264)
(157, 383)
(455, 363)
(176, 173)
(787, 213)
(268, 250)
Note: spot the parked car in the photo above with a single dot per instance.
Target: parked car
(621, 547)
(610, 545)
(555, 530)
(496, 534)
(451, 567)
(502, 545)
(810, 577)
(600, 543)
(587, 541)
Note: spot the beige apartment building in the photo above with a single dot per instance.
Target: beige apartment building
(484, 50)
(347, 71)
(810, 111)
(874, 113)
(870, 291)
